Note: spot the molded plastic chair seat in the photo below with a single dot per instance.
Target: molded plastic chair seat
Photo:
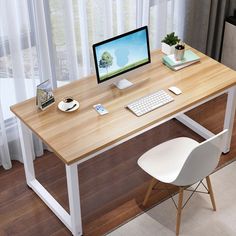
(165, 161)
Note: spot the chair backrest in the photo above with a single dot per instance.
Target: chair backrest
(202, 161)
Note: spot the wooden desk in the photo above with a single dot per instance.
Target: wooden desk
(78, 136)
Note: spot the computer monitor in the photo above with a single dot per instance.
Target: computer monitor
(120, 54)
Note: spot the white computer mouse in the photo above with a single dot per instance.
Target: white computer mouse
(175, 90)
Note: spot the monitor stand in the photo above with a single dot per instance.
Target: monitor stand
(122, 84)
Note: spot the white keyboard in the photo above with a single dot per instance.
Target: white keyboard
(150, 102)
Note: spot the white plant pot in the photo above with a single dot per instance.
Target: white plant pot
(167, 49)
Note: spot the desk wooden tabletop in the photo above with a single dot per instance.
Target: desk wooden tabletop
(73, 136)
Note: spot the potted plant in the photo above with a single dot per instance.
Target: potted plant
(168, 43)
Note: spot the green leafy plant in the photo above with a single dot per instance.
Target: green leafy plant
(171, 39)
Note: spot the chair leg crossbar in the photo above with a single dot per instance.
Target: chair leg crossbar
(155, 187)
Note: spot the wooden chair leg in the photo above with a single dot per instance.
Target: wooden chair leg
(179, 210)
(211, 192)
(151, 185)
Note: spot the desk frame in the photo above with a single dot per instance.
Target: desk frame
(73, 220)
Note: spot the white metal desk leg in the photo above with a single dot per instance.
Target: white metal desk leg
(74, 199)
(27, 151)
(229, 116)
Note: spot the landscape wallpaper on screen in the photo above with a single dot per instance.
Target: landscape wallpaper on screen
(121, 54)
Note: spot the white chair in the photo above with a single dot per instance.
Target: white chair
(183, 162)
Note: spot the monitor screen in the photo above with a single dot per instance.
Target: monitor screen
(122, 53)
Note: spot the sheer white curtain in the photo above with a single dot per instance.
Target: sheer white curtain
(52, 39)
(19, 73)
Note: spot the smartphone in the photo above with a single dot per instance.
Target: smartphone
(100, 109)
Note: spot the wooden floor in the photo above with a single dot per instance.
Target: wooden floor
(112, 185)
